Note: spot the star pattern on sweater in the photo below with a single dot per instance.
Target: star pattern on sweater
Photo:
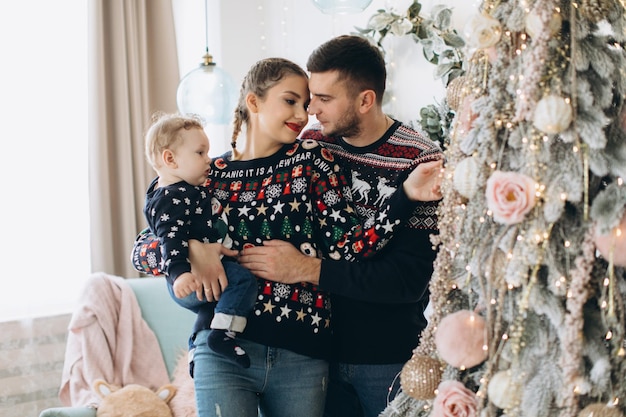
(295, 205)
(262, 209)
(269, 306)
(285, 310)
(388, 226)
(278, 207)
(336, 215)
(316, 319)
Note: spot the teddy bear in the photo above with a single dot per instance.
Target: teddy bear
(133, 400)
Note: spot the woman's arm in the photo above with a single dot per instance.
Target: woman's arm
(204, 258)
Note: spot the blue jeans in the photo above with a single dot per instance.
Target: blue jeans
(237, 300)
(279, 383)
(360, 390)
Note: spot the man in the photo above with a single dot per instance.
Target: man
(377, 305)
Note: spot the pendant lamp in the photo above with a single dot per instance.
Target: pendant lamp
(207, 91)
(342, 6)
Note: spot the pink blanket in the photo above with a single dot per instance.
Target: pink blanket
(109, 339)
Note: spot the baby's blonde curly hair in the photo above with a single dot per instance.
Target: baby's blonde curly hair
(163, 133)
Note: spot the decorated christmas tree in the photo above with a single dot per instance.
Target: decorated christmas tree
(528, 291)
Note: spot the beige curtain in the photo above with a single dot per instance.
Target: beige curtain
(133, 71)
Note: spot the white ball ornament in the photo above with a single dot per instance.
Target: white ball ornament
(553, 114)
(460, 339)
(502, 392)
(613, 244)
(466, 177)
(534, 24)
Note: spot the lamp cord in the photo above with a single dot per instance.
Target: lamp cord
(206, 26)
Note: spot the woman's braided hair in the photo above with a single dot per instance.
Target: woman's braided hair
(263, 75)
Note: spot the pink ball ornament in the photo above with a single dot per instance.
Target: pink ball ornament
(460, 339)
(615, 242)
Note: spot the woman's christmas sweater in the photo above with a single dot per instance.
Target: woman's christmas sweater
(299, 195)
(378, 305)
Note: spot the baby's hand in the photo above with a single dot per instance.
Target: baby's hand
(185, 284)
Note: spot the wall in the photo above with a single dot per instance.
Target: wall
(242, 32)
(31, 364)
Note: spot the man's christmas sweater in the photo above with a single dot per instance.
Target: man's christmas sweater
(378, 305)
(299, 195)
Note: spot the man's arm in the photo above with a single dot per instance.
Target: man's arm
(400, 273)
(397, 274)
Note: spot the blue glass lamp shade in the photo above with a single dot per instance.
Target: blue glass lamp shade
(342, 6)
(209, 92)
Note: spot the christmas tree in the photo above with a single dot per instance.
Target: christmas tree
(528, 289)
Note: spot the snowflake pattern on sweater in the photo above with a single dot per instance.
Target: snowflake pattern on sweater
(177, 213)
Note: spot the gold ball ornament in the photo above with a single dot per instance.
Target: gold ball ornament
(600, 410)
(421, 376)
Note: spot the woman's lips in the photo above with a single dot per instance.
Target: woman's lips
(296, 127)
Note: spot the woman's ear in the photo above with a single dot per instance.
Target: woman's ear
(252, 103)
(169, 159)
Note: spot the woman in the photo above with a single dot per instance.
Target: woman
(276, 187)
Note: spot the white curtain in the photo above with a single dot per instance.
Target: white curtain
(133, 71)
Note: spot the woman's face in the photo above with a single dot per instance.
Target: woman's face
(282, 113)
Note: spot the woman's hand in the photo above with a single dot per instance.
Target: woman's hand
(207, 266)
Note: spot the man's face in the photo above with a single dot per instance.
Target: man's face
(333, 106)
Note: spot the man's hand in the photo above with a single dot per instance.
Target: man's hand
(207, 266)
(424, 182)
(281, 262)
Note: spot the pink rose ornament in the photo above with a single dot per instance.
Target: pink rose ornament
(510, 196)
(454, 400)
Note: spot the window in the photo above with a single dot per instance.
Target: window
(44, 208)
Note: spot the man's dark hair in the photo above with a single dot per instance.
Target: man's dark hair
(357, 61)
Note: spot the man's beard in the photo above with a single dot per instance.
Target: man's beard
(347, 126)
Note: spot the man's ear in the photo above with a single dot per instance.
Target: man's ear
(252, 102)
(367, 100)
(169, 159)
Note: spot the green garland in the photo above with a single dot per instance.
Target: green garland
(441, 45)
